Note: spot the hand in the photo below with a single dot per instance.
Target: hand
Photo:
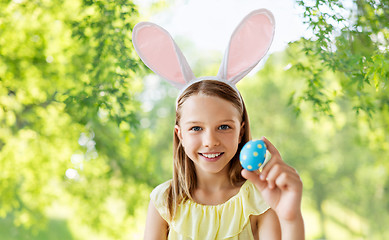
(280, 185)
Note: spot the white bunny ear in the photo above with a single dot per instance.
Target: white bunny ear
(248, 45)
(160, 53)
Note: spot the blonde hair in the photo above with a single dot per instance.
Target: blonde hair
(184, 173)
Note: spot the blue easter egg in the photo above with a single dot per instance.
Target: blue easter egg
(253, 155)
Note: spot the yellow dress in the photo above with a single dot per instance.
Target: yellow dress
(229, 220)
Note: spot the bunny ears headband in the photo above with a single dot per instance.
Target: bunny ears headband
(248, 45)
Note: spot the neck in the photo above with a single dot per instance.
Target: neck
(214, 188)
(213, 181)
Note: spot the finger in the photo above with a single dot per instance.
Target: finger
(272, 175)
(270, 147)
(274, 160)
(275, 157)
(253, 177)
(286, 181)
(277, 170)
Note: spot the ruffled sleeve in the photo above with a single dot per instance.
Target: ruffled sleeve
(223, 221)
(159, 198)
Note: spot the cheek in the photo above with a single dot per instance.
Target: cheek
(185, 139)
(190, 141)
(235, 139)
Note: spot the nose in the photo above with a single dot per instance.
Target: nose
(210, 139)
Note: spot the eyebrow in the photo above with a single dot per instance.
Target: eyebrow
(198, 122)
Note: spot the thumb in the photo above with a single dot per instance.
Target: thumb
(254, 177)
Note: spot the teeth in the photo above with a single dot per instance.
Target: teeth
(211, 155)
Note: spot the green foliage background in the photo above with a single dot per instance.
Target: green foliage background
(86, 130)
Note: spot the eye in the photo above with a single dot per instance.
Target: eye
(224, 127)
(196, 129)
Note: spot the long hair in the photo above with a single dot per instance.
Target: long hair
(184, 174)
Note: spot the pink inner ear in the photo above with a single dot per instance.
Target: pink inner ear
(159, 53)
(249, 44)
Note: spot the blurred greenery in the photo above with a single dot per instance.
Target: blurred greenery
(86, 131)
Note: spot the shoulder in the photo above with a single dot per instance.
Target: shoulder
(159, 198)
(156, 226)
(252, 199)
(160, 190)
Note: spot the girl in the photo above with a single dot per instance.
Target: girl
(209, 196)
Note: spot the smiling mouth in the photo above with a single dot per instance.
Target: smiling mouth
(211, 156)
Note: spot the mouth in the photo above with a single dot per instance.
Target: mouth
(211, 157)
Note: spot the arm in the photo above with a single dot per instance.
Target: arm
(156, 226)
(281, 187)
(267, 226)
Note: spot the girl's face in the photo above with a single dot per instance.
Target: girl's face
(210, 130)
